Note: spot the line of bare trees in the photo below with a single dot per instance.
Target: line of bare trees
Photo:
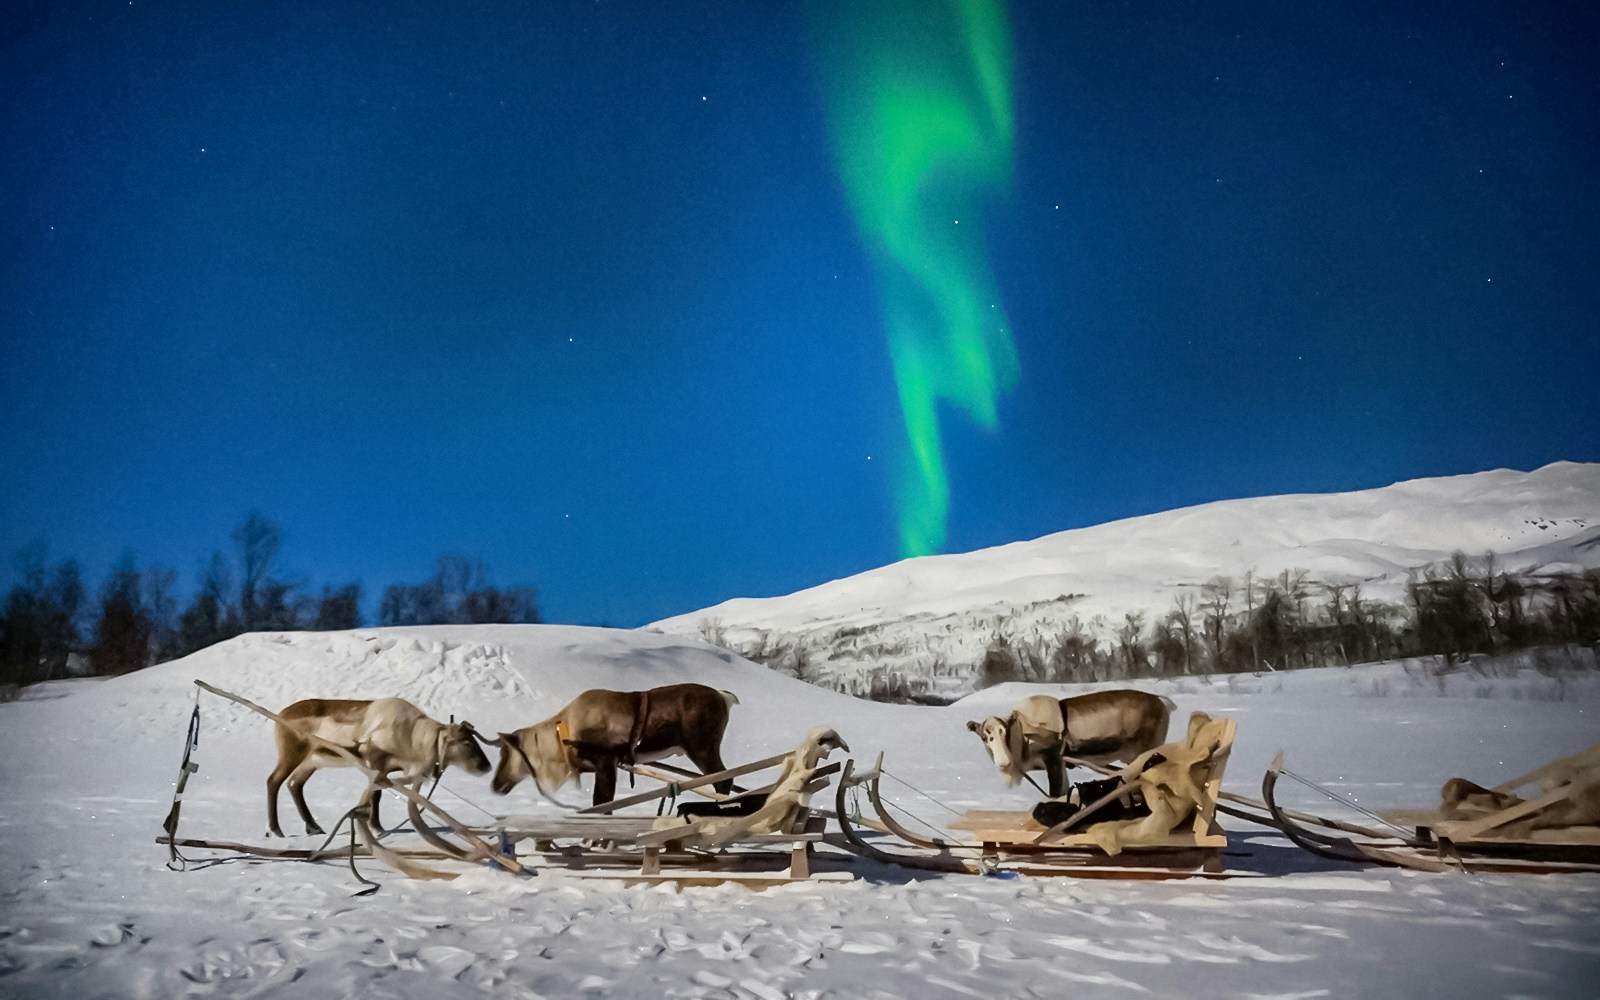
(1288, 621)
(50, 626)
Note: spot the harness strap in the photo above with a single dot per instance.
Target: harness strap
(564, 744)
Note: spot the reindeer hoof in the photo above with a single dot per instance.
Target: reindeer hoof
(314, 830)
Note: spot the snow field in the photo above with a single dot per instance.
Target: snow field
(87, 908)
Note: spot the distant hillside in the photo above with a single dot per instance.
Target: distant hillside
(923, 627)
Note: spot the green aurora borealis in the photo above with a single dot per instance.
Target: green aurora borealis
(920, 109)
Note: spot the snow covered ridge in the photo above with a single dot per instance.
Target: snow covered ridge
(923, 626)
(500, 677)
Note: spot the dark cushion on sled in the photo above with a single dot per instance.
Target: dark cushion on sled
(1052, 812)
(742, 805)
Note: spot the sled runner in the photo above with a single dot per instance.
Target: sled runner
(762, 836)
(1173, 835)
(1475, 829)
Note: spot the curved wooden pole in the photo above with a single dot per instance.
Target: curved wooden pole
(1338, 848)
(855, 843)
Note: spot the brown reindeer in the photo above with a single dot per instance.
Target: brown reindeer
(389, 734)
(1099, 727)
(600, 729)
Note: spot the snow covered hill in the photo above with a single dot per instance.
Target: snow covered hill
(933, 617)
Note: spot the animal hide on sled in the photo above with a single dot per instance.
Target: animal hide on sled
(775, 813)
(1461, 799)
(1173, 787)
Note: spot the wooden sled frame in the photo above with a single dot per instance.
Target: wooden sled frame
(1440, 845)
(597, 842)
(1488, 831)
(1011, 841)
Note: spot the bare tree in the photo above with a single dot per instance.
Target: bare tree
(1183, 616)
(1250, 618)
(258, 540)
(123, 629)
(1132, 646)
(1218, 593)
(161, 601)
(209, 619)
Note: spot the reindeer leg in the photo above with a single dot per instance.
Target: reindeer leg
(274, 783)
(709, 761)
(297, 784)
(605, 780)
(1056, 771)
(372, 808)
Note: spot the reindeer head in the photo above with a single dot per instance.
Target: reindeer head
(459, 747)
(996, 736)
(535, 752)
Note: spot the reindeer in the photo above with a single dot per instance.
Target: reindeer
(388, 734)
(600, 729)
(1099, 727)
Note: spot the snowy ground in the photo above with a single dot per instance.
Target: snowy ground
(87, 908)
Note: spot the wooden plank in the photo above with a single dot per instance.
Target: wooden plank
(1010, 819)
(577, 826)
(1466, 830)
(1427, 820)
(1569, 836)
(704, 779)
(751, 880)
(1420, 819)
(1028, 838)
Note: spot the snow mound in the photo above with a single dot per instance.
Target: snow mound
(498, 676)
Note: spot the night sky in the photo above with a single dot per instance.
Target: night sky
(583, 290)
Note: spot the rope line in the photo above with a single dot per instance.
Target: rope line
(1348, 802)
(920, 792)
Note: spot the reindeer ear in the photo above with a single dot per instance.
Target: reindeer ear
(972, 726)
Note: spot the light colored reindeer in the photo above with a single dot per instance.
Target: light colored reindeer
(387, 734)
(1098, 727)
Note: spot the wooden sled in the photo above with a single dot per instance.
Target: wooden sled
(774, 845)
(1501, 840)
(1012, 841)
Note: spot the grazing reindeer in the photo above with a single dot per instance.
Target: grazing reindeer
(1099, 727)
(389, 734)
(600, 729)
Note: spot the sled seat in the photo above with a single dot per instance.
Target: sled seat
(772, 843)
(1182, 786)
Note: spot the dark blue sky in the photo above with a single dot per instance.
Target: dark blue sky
(574, 288)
